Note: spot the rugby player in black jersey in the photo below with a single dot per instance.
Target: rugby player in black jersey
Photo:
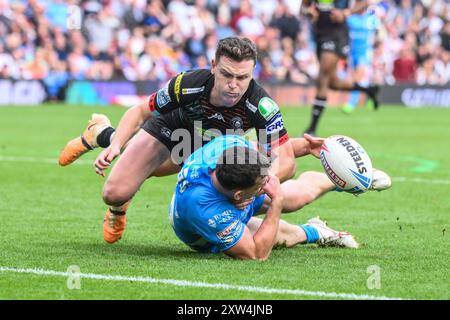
(332, 41)
(198, 104)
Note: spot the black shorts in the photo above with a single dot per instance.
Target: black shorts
(162, 128)
(336, 42)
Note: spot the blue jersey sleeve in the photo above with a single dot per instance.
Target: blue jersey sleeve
(219, 225)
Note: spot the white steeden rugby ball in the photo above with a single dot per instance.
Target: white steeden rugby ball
(347, 164)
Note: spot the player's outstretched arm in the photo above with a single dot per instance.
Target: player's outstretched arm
(259, 246)
(284, 165)
(307, 145)
(129, 124)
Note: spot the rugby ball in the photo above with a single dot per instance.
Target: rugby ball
(347, 164)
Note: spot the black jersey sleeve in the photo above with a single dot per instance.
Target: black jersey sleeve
(268, 120)
(179, 91)
(164, 100)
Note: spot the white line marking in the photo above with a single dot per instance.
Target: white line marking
(90, 162)
(41, 160)
(187, 283)
(420, 180)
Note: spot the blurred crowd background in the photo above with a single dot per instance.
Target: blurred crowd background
(56, 41)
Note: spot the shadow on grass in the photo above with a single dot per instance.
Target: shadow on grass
(149, 251)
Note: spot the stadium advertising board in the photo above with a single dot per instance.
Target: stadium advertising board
(414, 96)
(124, 93)
(23, 92)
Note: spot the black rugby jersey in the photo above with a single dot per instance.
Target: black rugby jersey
(324, 25)
(188, 94)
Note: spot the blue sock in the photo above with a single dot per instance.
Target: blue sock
(354, 98)
(312, 235)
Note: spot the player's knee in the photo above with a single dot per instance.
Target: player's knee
(292, 169)
(114, 195)
(323, 82)
(309, 176)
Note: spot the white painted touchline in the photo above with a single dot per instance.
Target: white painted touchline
(91, 162)
(41, 160)
(420, 180)
(195, 284)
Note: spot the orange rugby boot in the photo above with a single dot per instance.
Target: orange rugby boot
(114, 224)
(75, 148)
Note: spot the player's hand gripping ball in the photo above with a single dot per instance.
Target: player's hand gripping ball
(347, 164)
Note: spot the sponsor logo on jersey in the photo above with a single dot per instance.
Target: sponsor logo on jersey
(177, 86)
(211, 223)
(217, 116)
(228, 239)
(275, 125)
(250, 106)
(192, 90)
(224, 217)
(163, 97)
(267, 107)
(237, 123)
(328, 45)
(230, 228)
(166, 132)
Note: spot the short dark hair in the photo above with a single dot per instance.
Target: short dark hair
(239, 167)
(236, 48)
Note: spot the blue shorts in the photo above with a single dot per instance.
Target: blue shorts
(358, 59)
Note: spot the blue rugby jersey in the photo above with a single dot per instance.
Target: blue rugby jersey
(362, 32)
(202, 217)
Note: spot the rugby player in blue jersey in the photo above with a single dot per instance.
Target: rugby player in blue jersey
(332, 41)
(221, 99)
(228, 169)
(362, 26)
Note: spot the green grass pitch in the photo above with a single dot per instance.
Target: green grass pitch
(51, 218)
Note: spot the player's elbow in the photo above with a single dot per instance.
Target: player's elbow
(262, 258)
(254, 257)
(250, 255)
(259, 254)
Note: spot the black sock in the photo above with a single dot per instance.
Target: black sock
(358, 87)
(104, 138)
(117, 213)
(318, 107)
